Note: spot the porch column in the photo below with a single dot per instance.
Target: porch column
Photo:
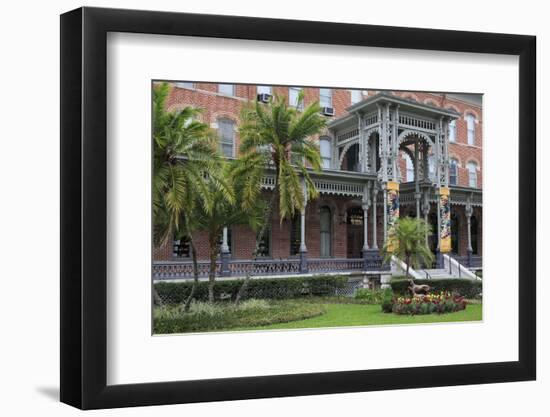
(365, 205)
(417, 194)
(225, 254)
(444, 223)
(374, 197)
(303, 248)
(469, 212)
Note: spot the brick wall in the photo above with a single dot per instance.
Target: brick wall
(216, 105)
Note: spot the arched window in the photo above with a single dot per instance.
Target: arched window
(326, 151)
(471, 126)
(226, 133)
(453, 172)
(452, 131)
(295, 234)
(472, 174)
(473, 235)
(325, 226)
(455, 227)
(410, 168)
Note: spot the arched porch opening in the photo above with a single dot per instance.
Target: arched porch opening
(355, 231)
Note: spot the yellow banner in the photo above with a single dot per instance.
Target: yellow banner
(445, 220)
(392, 208)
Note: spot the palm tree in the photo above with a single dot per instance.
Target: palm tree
(184, 150)
(184, 156)
(279, 138)
(225, 212)
(407, 242)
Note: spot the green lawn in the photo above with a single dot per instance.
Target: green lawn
(339, 315)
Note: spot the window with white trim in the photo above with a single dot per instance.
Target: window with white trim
(452, 131)
(293, 96)
(326, 152)
(226, 133)
(356, 96)
(471, 127)
(453, 172)
(226, 89)
(264, 89)
(185, 84)
(325, 97)
(472, 174)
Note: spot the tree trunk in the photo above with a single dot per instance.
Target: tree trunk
(267, 221)
(408, 260)
(187, 305)
(212, 272)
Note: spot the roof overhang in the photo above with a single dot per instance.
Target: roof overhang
(371, 104)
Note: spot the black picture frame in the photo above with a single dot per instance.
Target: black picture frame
(84, 207)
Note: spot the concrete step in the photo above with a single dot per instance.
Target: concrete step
(437, 273)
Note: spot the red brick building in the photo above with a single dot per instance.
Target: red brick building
(425, 143)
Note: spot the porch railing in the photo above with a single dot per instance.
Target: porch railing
(167, 270)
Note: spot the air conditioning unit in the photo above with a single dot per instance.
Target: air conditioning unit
(264, 98)
(328, 111)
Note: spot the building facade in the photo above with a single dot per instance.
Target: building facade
(385, 154)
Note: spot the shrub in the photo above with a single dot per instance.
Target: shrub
(268, 288)
(224, 316)
(370, 296)
(444, 302)
(465, 287)
(387, 301)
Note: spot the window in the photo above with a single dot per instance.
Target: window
(185, 84)
(325, 97)
(295, 234)
(325, 225)
(264, 89)
(472, 174)
(293, 95)
(471, 126)
(226, 133)
(356, 96)
(326, 152)
(227, 89)
(452, 131)
(453, 172)
(410, 168)
(264, 246)
(181, 248)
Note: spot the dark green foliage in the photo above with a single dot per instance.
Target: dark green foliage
(387, 301)
(373, 296)
(465, 287)
(269, 288)
(225, 316)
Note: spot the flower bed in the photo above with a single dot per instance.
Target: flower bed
(444, 302)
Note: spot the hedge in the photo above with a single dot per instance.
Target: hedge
(465, 287)
(270, 288)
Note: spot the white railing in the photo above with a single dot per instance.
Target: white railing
(399, 267)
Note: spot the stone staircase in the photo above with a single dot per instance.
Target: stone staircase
(436, 273)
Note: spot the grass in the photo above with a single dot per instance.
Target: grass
(338, 315)
(292, 314)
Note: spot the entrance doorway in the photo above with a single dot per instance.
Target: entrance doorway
(354, 217)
